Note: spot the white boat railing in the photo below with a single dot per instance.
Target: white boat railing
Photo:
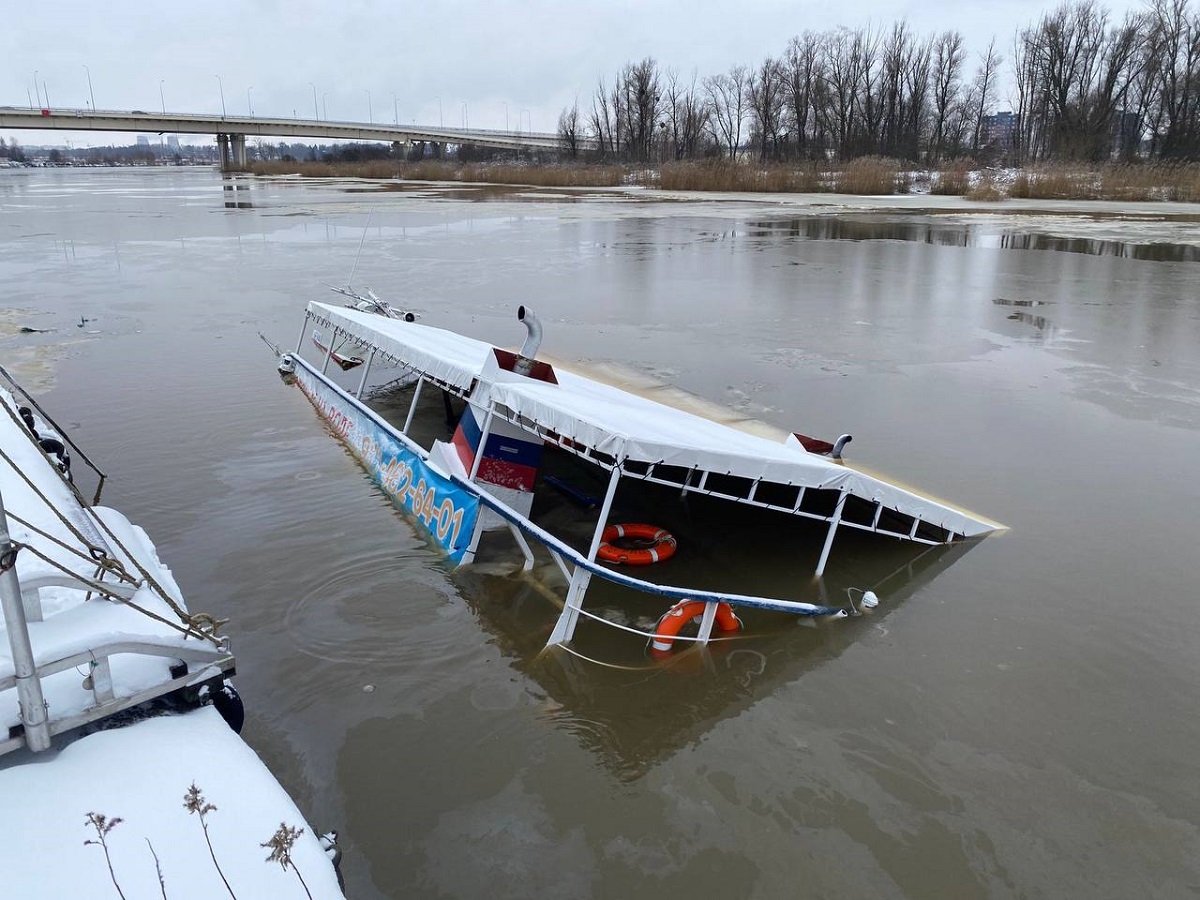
(214, 663)
(565, 551)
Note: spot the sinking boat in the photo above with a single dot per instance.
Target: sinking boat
(521, 417)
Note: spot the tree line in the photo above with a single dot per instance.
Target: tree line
(1086, 87)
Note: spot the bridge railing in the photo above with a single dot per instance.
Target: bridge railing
(87, 112)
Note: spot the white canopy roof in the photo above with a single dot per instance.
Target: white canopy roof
(633, 428)
(440, 354)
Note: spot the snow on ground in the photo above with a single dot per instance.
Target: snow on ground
(140, 774)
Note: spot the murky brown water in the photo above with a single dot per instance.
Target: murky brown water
(1018, 720)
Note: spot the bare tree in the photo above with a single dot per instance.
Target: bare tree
(688, 116)
(948, 56)
(569, 127)
(838, 87)
(727, 103)
(803, 62)
(639, 89)
(1173, 97)
(602, 124)
(767, 91)
(985, 85)
(869, 108)
(1080, 73)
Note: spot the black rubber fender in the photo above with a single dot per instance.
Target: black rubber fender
(228, 702)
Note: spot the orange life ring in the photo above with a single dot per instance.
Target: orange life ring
(661, 545)
(686, 611)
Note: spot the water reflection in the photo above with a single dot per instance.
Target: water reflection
(1156, 252)
(1038, 322)
(237, 191)
(633, 713)
(959, 234)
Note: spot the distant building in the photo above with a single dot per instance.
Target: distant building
(1000, 129)
(173, 142)
(143, 140)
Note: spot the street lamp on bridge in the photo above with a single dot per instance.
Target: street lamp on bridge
(395, 110)
(316, 112)
(221, 88)
(370, 112)
(90, 94)
(161, 99)
(249, 105)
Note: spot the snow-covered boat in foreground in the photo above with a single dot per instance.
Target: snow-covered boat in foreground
(519, 410)
(114, 701)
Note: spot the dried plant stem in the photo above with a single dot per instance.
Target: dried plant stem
(211, 853)
(103, 826)
(302, 883)
(194, 802)
(162, 884)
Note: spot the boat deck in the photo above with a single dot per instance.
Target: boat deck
(107, 627)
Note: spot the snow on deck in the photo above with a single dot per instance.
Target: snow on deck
(140, 773)
(72, 623)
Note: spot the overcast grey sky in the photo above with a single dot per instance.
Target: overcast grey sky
(475, 56)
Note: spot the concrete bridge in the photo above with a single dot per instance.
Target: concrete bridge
(231, 131)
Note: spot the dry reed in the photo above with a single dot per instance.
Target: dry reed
(952, 181)
(866, 176)
(441, 170)
(872, 175)
(985, 190)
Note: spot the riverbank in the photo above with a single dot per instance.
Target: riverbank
(869, 176)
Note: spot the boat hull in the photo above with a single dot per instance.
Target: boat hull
(444, 510)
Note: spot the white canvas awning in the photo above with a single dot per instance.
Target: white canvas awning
(439, 354)
(632, 428)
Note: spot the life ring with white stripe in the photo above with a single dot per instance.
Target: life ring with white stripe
(686, 611)
(651, 544)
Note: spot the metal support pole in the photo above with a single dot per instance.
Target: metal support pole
(564, 629)
(524, 545)
(473, 546)
(412, 408)
(303, 332)
(29, 686)
(329, 349)
(483, 436)
(833, 526)
(362, 382)
(706, 622)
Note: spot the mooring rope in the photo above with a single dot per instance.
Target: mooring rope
(104, 561)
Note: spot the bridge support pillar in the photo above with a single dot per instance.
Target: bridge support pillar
(223, 144)
(239, 151)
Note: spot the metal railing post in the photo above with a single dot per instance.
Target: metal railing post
(303, 332)
(833, 527)
(564, 628)
(412, 409)
(29, 686)
(362, 382)
(485, 432)
(329, 350)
